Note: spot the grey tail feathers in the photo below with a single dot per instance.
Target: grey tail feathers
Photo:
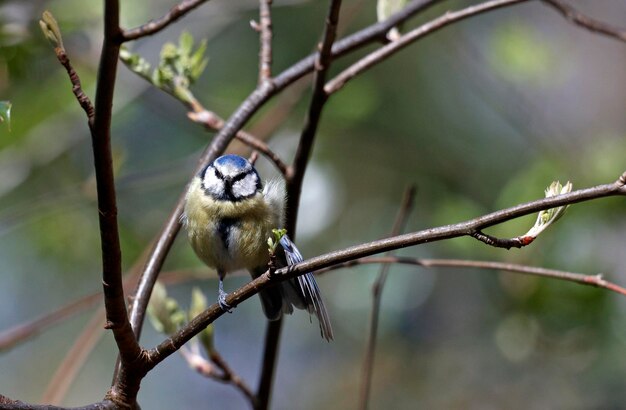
(301, 292)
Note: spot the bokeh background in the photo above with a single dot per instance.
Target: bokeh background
(479, 116)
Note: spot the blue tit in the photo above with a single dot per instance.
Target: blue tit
(229, 216)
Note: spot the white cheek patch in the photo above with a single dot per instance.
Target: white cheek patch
(213, 184)
(246, 186)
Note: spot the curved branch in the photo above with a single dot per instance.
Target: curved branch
(580, 19)
(156, 25)
(170, 345)
(591, 280)
(430, 27)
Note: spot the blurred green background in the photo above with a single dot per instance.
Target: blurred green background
(480, 116)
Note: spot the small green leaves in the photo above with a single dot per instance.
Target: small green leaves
(50, 29)
(178, 68)
(135, 62)
(199, 305)
(5, 113)
(273, 243)
(167, 317)
(549, 216)
(164, 313)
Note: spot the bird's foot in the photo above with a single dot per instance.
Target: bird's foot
(223, 305)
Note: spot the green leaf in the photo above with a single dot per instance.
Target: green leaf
(164, 313)
(186, 43)
(5, 113)
(199, 305)
(549, 216)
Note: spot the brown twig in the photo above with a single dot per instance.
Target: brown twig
(214, 122)
(590, 280)
(242, 114)
(265, 38)
(156, 25)
(77, 89)
(391, 48)
(582, 20)
(229, 376)
(74, 359)
(294, 178)
(377, 290)
(124, 391)
(506, 243)
(224, 375)
(207, 317)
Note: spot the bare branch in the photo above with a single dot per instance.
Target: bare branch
(125, 389)
(430, 27)
(377, 290)
(590, 280)
(506, 243)
(66, 373)
(214, 122)
(77, 89)
(170, 345)
(591, 24)
(265, 31)
(294, 178)
(224, 375)
(236, 121)
(156, 25)
(318, 99)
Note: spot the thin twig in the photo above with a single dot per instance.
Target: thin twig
(432, 26)
(77, 89)
(214, 122)
(596, 280)
(229, 376)
(591, 24)
(169, 346)
(294, 178)
(208, 369)
(242, 114)
(506, 243)
(265, 38)
(377, 291)
(156, 25)
(73, 361)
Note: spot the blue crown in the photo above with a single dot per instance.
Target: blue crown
(232, 160)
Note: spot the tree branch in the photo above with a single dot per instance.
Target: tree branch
(170, 345)
(247, 108)
(377, 292)
(265, 30)
(214, 122)
(156, 25)
(590, 280)
(294, 178)
(125, 390)
(580, 19)
(406, 39)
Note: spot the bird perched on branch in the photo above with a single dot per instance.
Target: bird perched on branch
(229, 216)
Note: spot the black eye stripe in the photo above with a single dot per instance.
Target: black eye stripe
(218, 174)
(241, 176)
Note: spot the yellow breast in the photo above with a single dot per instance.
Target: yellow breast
(228, 235)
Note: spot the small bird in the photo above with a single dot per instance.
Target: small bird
(229, 216)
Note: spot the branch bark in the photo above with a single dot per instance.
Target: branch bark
(377, 292)
(169, 346)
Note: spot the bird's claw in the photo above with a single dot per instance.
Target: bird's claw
(223, 305)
